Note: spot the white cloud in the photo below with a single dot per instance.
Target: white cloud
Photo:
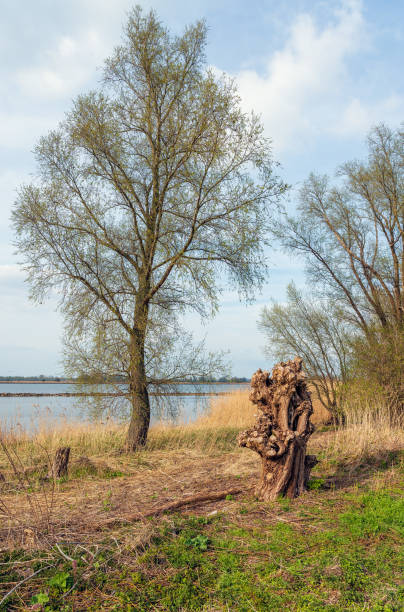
(306, 90)
(13, 290)
(64, 68)
(70, 63)
(10, 272)
(67, 47)
(22, 130)
(358, 117)
(304, 77)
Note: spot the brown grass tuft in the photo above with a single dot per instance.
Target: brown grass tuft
(233, 410)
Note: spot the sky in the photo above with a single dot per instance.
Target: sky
(320, 73)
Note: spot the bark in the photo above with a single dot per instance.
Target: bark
(140, 416)
(138, 393)
(282, 430)
(60, 462)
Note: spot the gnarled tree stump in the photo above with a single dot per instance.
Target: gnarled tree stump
(282, 430)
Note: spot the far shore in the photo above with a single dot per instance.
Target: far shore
(39, 382)
(76, 382)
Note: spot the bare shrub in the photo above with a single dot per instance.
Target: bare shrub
(26, 528)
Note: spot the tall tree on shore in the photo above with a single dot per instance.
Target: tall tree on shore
(351, 235)
(152, 188)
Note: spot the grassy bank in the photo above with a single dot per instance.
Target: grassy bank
(335, 548)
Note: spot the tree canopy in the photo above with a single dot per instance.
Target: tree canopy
(316, 331)
(351, 234)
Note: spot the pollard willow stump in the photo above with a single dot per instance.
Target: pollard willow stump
(282, 430)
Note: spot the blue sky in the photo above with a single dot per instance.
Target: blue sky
(320, 73)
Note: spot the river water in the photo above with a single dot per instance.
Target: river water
(32, 412)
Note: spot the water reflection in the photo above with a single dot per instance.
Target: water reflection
(35, 412)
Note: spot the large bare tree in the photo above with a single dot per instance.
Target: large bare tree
(351, 234)
(152, 188)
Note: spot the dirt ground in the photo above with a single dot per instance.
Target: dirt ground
(92, 504)
(131, 487)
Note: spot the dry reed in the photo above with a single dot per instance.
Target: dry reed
(178, 448)
(214, 431)
(233, 410)
(236, 410)
(368, 431)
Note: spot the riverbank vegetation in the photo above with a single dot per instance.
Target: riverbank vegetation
(225, 417)
(152, 189)
(176, 525)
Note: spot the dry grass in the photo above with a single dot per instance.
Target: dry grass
(96, 453)
(85, 514)
(235, 410)
(212, 432)
(366, 433)
(84, 439)
(320, 414)
(178, 460)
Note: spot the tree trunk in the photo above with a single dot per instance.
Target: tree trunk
(60, 462)
(140, 416)
(138, 393)
(282, 430)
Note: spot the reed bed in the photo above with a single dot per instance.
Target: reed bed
(212, 432)
(205, 452)
(236, 410)
(367, 432)
(360, 442)
(83, 438)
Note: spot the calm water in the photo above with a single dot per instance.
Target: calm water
(29, 412)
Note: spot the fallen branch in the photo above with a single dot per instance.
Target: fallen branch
(187, 501)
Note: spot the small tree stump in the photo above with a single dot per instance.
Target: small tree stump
(309, 463)
(282, 430)
(60, 462)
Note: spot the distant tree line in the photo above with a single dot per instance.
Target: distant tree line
(39, 378)
(222, 379)
(121, 379)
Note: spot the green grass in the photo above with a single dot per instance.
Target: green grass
(338, 553)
